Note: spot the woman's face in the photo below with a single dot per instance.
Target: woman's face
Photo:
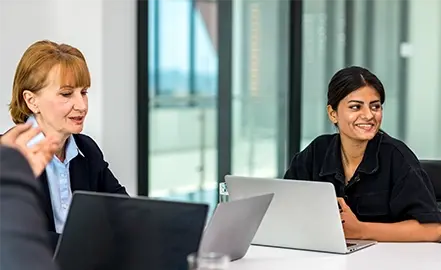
(359, 114)
(59, 109)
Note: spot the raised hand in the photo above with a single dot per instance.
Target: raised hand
(37, 155)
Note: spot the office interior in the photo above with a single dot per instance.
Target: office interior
(187, 91)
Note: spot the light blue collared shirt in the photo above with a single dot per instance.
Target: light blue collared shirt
(58, 179)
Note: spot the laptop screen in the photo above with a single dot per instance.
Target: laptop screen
(115, 232)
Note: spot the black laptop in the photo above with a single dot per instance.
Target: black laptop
(116, 232)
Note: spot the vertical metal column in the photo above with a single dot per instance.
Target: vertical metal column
(224, 102)
(295, 83)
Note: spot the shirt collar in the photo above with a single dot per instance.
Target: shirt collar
(72, 149)
(370, 163)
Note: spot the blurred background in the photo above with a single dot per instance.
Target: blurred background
(186, 91)
(398, 40)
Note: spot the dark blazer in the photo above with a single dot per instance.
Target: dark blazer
(89, 172)
(24, 241)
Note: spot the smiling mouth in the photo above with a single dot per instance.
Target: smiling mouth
(77, 118)
(365, 126)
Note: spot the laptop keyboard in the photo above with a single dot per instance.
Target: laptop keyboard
(350, 244)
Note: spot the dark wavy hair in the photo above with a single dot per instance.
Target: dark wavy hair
(350, 79)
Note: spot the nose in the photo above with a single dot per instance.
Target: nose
(80, 102)
(368, 113)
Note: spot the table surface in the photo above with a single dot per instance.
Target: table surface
(387, 256)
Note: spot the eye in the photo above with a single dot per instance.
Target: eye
(355, 107)
(84, 92)
(376, 107)
(66, 94)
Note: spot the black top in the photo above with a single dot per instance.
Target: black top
(388, 186)
(24, 242)
(89, 172)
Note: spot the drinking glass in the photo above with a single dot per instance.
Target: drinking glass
(208, 261)
(223, 192)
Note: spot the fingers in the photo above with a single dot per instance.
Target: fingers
(41, 154)
(342, 204)
(53, 145)
(38, 164)
(38, 155)
(47, 147)
(11, 136)
(24, 138)
(50, 148)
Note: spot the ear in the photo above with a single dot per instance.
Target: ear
(31, 101)
(332, 114)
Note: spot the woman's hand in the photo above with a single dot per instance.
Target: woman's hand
(353, 228)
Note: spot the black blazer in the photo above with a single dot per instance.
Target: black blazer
(24, 243)
(89, 172)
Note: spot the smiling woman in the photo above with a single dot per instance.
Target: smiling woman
(383, 191)
(50, 91)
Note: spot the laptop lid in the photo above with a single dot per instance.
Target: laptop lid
(233, 226)
(302, 215)
(109, 231)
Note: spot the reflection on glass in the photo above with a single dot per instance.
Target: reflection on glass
(183, 88)
(384, 37)
(260, 86)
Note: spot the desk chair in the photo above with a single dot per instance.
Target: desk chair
(433, 169)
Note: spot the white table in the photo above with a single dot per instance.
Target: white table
(387, 256)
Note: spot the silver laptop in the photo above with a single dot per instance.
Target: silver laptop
(233, 226)
(302, 215)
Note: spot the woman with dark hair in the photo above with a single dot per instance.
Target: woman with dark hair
(383, 192)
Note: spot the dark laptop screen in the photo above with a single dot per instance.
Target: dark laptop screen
(113, 232)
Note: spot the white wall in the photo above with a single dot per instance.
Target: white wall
(105, 31)
(21, 23)
(119, 102)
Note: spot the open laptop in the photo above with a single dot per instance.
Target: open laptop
(233, 226)
(114, 232)
(303, 214)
